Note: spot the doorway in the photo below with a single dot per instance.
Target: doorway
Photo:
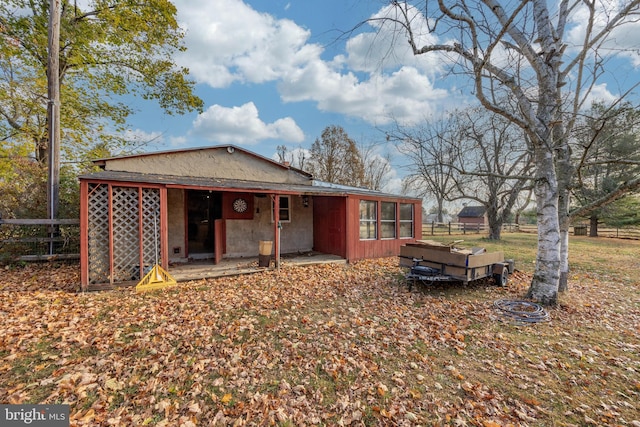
(203, 208)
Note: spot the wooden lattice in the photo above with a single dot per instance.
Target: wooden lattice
(98, 233)
(126, 202)
(151, 227)
(126, 234)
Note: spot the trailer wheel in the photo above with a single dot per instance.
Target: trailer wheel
(503, 278)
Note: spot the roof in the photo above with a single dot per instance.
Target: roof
(317, 188)
(472, 212)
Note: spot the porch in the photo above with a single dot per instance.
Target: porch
(205, 269)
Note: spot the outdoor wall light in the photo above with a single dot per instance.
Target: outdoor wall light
(305, 201)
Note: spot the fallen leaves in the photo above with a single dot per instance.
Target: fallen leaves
(315, 345)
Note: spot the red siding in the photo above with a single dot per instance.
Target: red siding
(362, 249)
(329, 225)
(469, 220)
(227, 206)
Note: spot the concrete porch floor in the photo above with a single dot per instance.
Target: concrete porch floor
(203, 269)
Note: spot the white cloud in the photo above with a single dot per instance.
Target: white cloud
(242, 125)
(140, 137)
(229, 41)
(178, 141)
(405, 95)
(623, 40)
(297, 157)
(600, 93)
(384, 47)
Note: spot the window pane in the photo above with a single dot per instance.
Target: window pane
(368, 219)
(406, 229)
(388, 211)
(367, 230)
(406, 220)
(406, 212)
(367, 209)
(284, 212)
(388, 230)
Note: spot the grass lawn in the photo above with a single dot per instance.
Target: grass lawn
(330, 345)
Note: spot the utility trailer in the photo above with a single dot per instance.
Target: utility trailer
(430, 262)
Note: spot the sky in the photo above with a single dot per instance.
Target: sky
(278, 72)
(274, 72)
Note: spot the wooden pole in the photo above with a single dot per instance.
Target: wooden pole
(53, 114)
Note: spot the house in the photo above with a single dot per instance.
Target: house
(216, 203)
(432, 217)
(473, 217)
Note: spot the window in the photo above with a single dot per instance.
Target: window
(285, 210)
(368, 220)
(388, 220)
(406, 220)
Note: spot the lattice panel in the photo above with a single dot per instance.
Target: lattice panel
(126, 237)
(98, 233)
(150, 227)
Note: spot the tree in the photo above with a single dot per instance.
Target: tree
(522, 52)
(607, 144)
(377, 167)
(335, 157)
(23, 183)
(624, 212)
(429, 159)
(492, 164)
(373, 169)
(296, 157)
(477, 156)
(107, 50)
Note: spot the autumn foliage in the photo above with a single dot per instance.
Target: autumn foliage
(318, 345)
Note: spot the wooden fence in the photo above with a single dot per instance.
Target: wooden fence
(39, 239)
(44, 239)
(453, 228)
(457, 228)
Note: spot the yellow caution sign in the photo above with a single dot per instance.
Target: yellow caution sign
(157, 278)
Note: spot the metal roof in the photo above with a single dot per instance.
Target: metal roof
(472, 212)
(317, 188)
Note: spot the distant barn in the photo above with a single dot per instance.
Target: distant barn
(473, 216)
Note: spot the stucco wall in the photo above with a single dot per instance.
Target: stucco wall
(209, 163)
(175, 207)
(243, 236)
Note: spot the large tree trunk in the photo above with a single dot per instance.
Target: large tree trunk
(564, 173)
(563, 283)
(495, 229)
(440, 216)
(544, 286)
(495, 223)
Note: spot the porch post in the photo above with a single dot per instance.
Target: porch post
(110, 187)
(164, 228)
(84, 234)
(276, 231)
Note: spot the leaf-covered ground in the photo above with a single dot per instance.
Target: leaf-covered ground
(321, 345)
